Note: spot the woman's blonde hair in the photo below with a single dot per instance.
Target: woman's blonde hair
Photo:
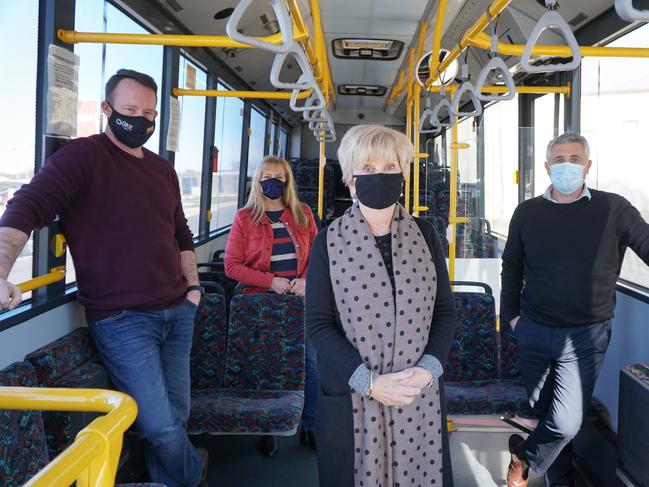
(365, 143)
(256, 202)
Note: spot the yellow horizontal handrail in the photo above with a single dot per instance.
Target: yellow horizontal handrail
(57, 274)
(483, 41)
(92, 459)
(268, 95)
(74, 37)
(565, 90)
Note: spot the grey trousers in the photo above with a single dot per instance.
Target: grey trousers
(559, 366)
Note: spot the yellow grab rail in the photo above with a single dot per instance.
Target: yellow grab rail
(409, 104)
(564, 90)
(415, 122)
(57, 274)
(182, 40)
(437, 38)
(496, 7)
(268, 95)
(93, 457)
(483, 41)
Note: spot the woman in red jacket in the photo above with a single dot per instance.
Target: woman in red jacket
(268, 251)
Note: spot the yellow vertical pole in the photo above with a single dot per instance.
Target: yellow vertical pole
(453, 210)
(415, 124)
(411, 67)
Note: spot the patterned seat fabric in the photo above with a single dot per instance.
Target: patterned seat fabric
(265, 342)
(485, 397)
(261, 388)
(207, 359)
(473, 354)
(245, 411)
(70, 361)
(62, 356)
(23, 449)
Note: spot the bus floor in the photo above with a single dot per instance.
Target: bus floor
(478, 450)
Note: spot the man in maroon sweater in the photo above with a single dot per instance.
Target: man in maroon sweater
(121, 213)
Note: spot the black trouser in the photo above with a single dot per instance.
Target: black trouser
(559, 366)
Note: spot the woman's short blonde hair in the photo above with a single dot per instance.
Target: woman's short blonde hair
(365, 143)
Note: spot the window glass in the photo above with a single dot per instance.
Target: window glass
(273, 128)
(225, 182)
(615, 120)
(256, 147)
(283, 143)
(18, 49)
(501, 163)
(189, 158)
(544, 130)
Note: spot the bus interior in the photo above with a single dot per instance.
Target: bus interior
(479, 86)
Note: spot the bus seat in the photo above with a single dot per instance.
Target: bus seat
(508, 353)
(23, 449)
(473, 382)
(70, 361)
(474, 354)
(263, 388)
(207, 359)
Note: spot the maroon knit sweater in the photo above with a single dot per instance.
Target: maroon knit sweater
(122, 218)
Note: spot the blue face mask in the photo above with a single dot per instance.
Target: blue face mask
(273, 188)
(567, 177)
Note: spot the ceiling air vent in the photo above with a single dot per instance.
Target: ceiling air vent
(578, 19)
(378, 49)
(362, 90)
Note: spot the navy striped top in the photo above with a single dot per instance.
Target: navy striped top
(283, 261)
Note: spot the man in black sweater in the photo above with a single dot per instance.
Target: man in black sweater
(561, 263)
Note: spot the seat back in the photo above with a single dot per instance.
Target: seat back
(265, 348)
(62, 356)
(207, 359)
(474, 350)
(69, 361)
(23, 446)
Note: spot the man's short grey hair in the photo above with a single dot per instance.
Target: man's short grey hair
(568, 138)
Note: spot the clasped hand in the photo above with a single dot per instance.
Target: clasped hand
(281, 285)
(400, 388)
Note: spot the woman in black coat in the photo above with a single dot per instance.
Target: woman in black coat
(381, 315)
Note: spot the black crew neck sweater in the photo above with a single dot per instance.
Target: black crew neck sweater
(562, 261)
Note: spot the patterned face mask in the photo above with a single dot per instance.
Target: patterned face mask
(273, 188)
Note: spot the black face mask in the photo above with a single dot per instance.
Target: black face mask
(379, 191)
(130, 131)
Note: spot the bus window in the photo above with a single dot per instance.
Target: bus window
(225, 182)
(189, 158)
(18, 22)
(615, 120)
(544, 131)
(501, 163)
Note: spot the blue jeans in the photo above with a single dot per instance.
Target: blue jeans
(146, 355)
(311, 386)
(559, 366)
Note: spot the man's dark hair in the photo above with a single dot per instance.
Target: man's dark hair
(143, 79)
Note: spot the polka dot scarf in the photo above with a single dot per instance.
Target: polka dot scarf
(399, 445)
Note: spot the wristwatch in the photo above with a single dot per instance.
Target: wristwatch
(195, 287)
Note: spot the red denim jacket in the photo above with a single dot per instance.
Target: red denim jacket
(250, 246)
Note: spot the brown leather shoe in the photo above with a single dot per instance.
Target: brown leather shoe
(518, 469)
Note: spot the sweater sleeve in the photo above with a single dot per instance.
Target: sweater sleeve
(235, 258)
(444, 319)
(61, 179)
(512, 272)
(320, 316)
(634, 231)
(183, 234)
